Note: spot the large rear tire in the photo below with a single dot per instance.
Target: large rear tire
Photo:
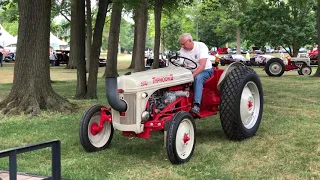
(94, 142)
(241, 104)
(181, 140)
(275, 67)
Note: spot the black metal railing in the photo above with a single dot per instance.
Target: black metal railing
(56, 157)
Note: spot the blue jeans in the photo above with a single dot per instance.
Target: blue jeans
(198, 84)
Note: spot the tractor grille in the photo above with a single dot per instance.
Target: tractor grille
(130, 117)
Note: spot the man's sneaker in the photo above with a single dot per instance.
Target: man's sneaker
(195, 109)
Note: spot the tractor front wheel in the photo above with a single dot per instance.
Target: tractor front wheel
(305, 70)
(90, 139)
(181, 140)
(241, 104)
(275, 67)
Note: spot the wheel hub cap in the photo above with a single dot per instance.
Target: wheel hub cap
(94, 129)
(98, 137)
(186, 138)
(306, 71)
(275, 68)
(249, 105)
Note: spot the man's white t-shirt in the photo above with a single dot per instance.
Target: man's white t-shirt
(199, 51)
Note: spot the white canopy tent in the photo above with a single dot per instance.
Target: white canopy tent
(6, 38)
(56, 43)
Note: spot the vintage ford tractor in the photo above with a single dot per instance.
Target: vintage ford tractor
(276, 66)
(160, 100)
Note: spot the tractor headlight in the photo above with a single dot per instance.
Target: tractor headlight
(145, 116)
(144, 95)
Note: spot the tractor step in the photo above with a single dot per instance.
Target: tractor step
(206, 113)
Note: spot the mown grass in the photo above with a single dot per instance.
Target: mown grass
(287, 145)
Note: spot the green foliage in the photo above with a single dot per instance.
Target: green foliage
(170, 33)
(9, 11)
(173, 25)
(218, 20)
(288, 23)
(126, 35)
(11, 27)
(61, 29)
(9, 16)
(150, 30)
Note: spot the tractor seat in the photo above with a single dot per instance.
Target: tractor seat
(209, 82)
(212, 82)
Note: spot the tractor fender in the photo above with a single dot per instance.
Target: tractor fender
(226, 71)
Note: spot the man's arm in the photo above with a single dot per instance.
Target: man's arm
(199, 69)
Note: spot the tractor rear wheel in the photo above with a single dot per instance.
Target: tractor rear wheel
(181, 140)
(241, 104)
(305, 70)
(90, 140)
(275, 67)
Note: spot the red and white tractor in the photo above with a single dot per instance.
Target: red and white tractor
(276, 66)
(160, 100)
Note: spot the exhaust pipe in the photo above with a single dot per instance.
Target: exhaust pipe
(112, 95)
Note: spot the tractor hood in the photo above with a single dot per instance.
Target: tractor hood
(154, 79)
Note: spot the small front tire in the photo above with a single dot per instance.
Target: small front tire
(305, 70)
(180, 142)
(94, 142)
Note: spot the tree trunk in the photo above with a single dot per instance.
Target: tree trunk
(134, 47)
(295, 49)
(78, 46)
(141, 20)
(238, 41)
(318, 34)
(157, 22)
(31, 90)
(111, 68)
(72, 64)
(95, 50)
(89, 34)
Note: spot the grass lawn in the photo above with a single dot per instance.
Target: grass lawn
(287, 145)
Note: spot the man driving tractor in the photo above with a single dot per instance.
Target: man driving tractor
(197, 52)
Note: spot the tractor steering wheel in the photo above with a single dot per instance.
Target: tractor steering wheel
(180, 61)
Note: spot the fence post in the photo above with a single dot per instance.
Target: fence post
(13, 165)
(56, 161)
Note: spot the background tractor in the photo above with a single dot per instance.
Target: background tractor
(276, 66)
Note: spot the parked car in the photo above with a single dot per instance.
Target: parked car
(242, 51)
(10, 57)
(258, 52)
(303, 50)
(162, 61)
(11, 48)
(260, 59)
(4, 51)
(62, 57)
(230, 58)
(102, 62)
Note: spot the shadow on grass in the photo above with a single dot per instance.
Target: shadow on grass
(135, 148)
